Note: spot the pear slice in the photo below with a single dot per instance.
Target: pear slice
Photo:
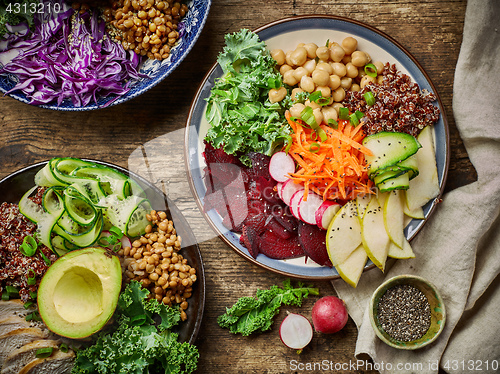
(417, 212)
(352, 268)
(362, 203)
(394, 217)
(374, 235)
(401, 253)
(344, 233)
(425, 186)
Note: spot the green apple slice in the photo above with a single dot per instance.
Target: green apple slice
(374, 235)
(352, 268)
(344, 233)
(425, 186)
(394, 217)
(401, 253)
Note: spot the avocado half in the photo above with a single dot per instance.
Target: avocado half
(79, 292)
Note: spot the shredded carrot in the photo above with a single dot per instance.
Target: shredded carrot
(337, 168)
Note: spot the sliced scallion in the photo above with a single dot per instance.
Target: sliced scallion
(44, 352)
(371, 70)
(13, 291)
(64, 347)
(29, 246)
(353, 119)
(344, 113)
(307, 116)
(31, 277)
(333, 124)
(314, 147)
(369, 98)
(318, 98)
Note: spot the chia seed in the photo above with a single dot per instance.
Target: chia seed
(404, 313)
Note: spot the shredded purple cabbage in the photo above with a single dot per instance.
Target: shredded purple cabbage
(70, 55)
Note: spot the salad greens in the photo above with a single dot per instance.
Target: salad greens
(11, 18)
(143, 341)
(241, 116)
(249, 315)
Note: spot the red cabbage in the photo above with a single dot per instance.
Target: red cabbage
(70, 56)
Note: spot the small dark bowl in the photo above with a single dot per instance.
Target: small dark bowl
(13, 187)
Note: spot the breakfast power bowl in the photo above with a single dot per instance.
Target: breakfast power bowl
(12, 189)
(201, 135)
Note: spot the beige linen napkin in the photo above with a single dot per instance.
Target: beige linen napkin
(459, 247)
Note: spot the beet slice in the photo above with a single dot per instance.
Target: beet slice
(250, 240)
(274, 225)
(275, 247)
(260, 165)
(284, 216)
(313, 241)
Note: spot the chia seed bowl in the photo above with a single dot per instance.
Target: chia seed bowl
(407, 312)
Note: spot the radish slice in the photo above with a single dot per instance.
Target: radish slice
(307, 208)
(288, 190)
(280, 166)
(296, 331)
(325, 213)
(279, 187)
(295, 202)
(125, 241)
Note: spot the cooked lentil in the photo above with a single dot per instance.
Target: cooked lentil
(155, 261)
(404, 313)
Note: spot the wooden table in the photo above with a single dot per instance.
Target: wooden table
(429, 29)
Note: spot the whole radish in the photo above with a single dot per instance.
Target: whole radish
(329, 315)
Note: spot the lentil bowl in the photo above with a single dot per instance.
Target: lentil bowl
(13, 186)
(286, 34)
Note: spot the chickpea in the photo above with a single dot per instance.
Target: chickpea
(318, 115)
(380, 79)
(346, 83)
(334, 82)
(289, 78)
(351, 70)
(320, 77)
(276, 95)
(284, 68)
(311, 50)
(355, 87)
(349, 44)
(299, 56)
(329, 113)
(288, 60)
(359, 58)
(337, 106)
(337, 53)
(323, 53)
(295, 91)
(312, 104)
(300, 72)
(339, 69)
(338, 94)
(380, 66)
(346, 59)
(365, 80)
(325, 90)
(310, 65)
(278, 55)
(325, 66)
(307, 84)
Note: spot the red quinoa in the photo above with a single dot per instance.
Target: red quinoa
(400, 105)
(14, 266)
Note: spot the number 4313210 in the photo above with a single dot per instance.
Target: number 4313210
(32, 8)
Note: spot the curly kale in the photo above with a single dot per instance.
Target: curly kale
(257, 314)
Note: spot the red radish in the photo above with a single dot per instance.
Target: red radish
(125, 241)
(329, 315)
(307, 208)
(280, 166)
(325, 213)
(288, 190)
(296, 331)
(279, 187)
(295, 201)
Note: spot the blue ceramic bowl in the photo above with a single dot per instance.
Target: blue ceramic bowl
(194, 21)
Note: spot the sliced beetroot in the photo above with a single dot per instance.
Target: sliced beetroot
(275, 226)
(250, 239)
(285, 217)
(280, 166)
(217, 155)
(260, 165)
(275, 247)
(225, 173)
(267, 189)
(313, 241)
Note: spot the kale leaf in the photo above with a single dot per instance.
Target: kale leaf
(241, 117)
(139, 345)
(249, 314)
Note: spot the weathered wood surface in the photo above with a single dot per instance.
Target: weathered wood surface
(431, 30)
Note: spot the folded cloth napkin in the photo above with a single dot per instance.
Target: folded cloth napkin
(458, 249)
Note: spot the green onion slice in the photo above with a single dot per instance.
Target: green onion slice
(314, 147)
(29, 246)
(31, 277)
(371, 70)
(353, 119)
(44, 352)
(308, 117)
(344, 113)
(28, 304)
(318, 98)
(359, 114)
(369, 98)
(64, 347)
(333, 124)
(45, 258)
(5, 296)
(13, 291)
